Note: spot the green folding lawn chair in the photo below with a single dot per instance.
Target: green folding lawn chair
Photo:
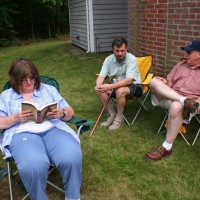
(81, 124)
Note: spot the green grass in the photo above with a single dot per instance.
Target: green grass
(114, 167)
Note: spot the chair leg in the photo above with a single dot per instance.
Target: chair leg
(115, 107)
(141, 106)
(55, 186)
(11, 174)
(52, 184)
(198, 119)
(10, 178)
(25, 197)
(196, 137)
(162, 124)
(184, 138)
(126, 120)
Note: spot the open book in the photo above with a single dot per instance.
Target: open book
(39, 113)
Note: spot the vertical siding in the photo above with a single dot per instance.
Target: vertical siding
(110, 21)
(78, 23)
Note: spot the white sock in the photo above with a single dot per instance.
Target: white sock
(111, 110)
(182, 99)
(119, 115)
(167, 145)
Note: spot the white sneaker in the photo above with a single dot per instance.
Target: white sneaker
(108, 122)
(116, 124)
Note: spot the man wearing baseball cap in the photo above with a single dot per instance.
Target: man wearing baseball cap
(180, 93)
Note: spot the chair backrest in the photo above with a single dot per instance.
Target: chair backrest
(144, 66)
(44, 79)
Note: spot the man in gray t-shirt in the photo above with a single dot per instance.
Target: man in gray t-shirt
(123, 68)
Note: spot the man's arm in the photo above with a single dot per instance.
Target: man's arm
(122, 83)
(99, 83)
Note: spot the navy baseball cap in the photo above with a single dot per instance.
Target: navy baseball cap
(194, 46)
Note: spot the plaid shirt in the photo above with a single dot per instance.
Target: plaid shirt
(185, 81)
(10, 104)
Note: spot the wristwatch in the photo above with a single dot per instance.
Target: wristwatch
(64, 113)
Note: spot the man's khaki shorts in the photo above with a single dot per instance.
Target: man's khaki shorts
(166, 105)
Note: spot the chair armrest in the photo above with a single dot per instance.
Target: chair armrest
(147, 79)
(82, 124)
(145, 83)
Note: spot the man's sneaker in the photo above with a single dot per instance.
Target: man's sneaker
(108, 122)
(158, 154)
(190, 107)
(116, 124)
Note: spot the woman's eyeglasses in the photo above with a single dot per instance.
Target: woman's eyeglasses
(28, 80)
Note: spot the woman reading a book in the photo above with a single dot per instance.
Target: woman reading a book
(35, 145)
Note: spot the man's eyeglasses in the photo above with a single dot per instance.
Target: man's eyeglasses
(28, 79)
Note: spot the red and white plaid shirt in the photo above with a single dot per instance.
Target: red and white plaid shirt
(185, 81)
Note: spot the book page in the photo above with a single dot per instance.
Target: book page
(29, 106)
(39, 113)
(48, 108)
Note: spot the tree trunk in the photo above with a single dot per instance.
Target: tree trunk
(31, 20)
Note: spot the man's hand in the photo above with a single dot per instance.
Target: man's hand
(104, 88)
(98, 87)
(165, 81)
(161, 79)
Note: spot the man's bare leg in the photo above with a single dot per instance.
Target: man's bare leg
(163, 91)
(104, 98)
(175, 120)
(121, 94)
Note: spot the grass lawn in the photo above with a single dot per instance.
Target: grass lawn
(114, 167)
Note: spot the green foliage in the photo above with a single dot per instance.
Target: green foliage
(114, 167)
(26, 19)
(7, 14)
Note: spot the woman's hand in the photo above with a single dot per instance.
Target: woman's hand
(7, 122)
(58, 113)
(55, 113)
(23, 116)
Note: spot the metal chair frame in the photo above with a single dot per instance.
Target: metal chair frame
(164, 120)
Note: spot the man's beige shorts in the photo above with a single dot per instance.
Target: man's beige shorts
(166, 104)
(161, 103)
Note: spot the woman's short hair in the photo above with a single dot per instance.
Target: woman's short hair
(20, 69)
(118, 42)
